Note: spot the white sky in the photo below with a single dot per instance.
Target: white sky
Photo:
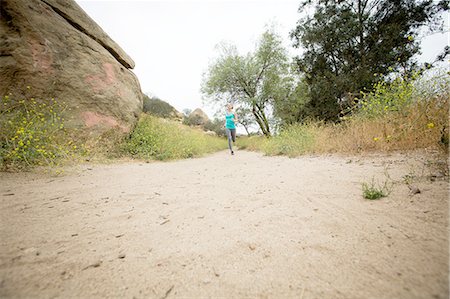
(172, 41)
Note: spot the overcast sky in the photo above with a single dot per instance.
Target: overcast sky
(172, 42)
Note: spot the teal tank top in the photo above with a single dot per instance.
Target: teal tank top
(230, 121)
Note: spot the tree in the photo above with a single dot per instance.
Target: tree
(294, 107)
(351, 44)
(252, 81)
(245, 118)
(216, 125)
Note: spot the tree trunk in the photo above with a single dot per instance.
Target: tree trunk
(261, 120)
(361, 10)
(246, 129)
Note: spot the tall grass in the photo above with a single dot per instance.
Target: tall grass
(162, 139)
(397, 116)
(420, 125)
(33, 133)
(293, 141)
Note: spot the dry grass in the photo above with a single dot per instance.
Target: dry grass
(421, 125)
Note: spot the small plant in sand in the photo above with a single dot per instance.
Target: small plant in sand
(32, 133)
(376, 191)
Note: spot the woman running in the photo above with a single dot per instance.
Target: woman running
(230, 126)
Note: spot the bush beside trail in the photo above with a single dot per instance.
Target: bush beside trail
(396, 116)
(33, 133)
(400, 115)
(162, 139)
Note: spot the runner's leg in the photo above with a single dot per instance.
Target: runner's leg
(233, 134)
(228, 131)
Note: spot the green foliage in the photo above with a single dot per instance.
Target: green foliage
(346, 42)
(245, 118)
(159, 107)
(387, 97)
(33, 133)
(372, 191)
(215, 126)
(253, 142)
(292, 141)
(400, 115)
(193, 120)
(161, 139)
(295, 108)
(252, 81)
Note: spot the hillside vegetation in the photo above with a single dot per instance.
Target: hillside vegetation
(402, 115)
(160, 108)
(34, 134)
(355, 87)
(162, 139)
(399, 115)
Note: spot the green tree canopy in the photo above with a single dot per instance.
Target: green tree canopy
(351, 44)
(294, 108)
(252, 81)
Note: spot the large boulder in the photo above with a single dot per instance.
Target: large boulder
(197, 118)
(57, 50)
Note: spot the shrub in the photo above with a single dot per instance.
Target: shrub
(402, 115)
(292, 141)
(162, 139)
(396, 116)
(33, 133)
(387, 97)
(193, 120)
(253, 143)
(215, 126)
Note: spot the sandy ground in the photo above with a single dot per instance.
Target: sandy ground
(243, 226)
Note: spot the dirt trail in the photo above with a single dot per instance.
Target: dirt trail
(243, 226)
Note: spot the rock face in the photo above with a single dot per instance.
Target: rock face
(57, 50)
(198, 117)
